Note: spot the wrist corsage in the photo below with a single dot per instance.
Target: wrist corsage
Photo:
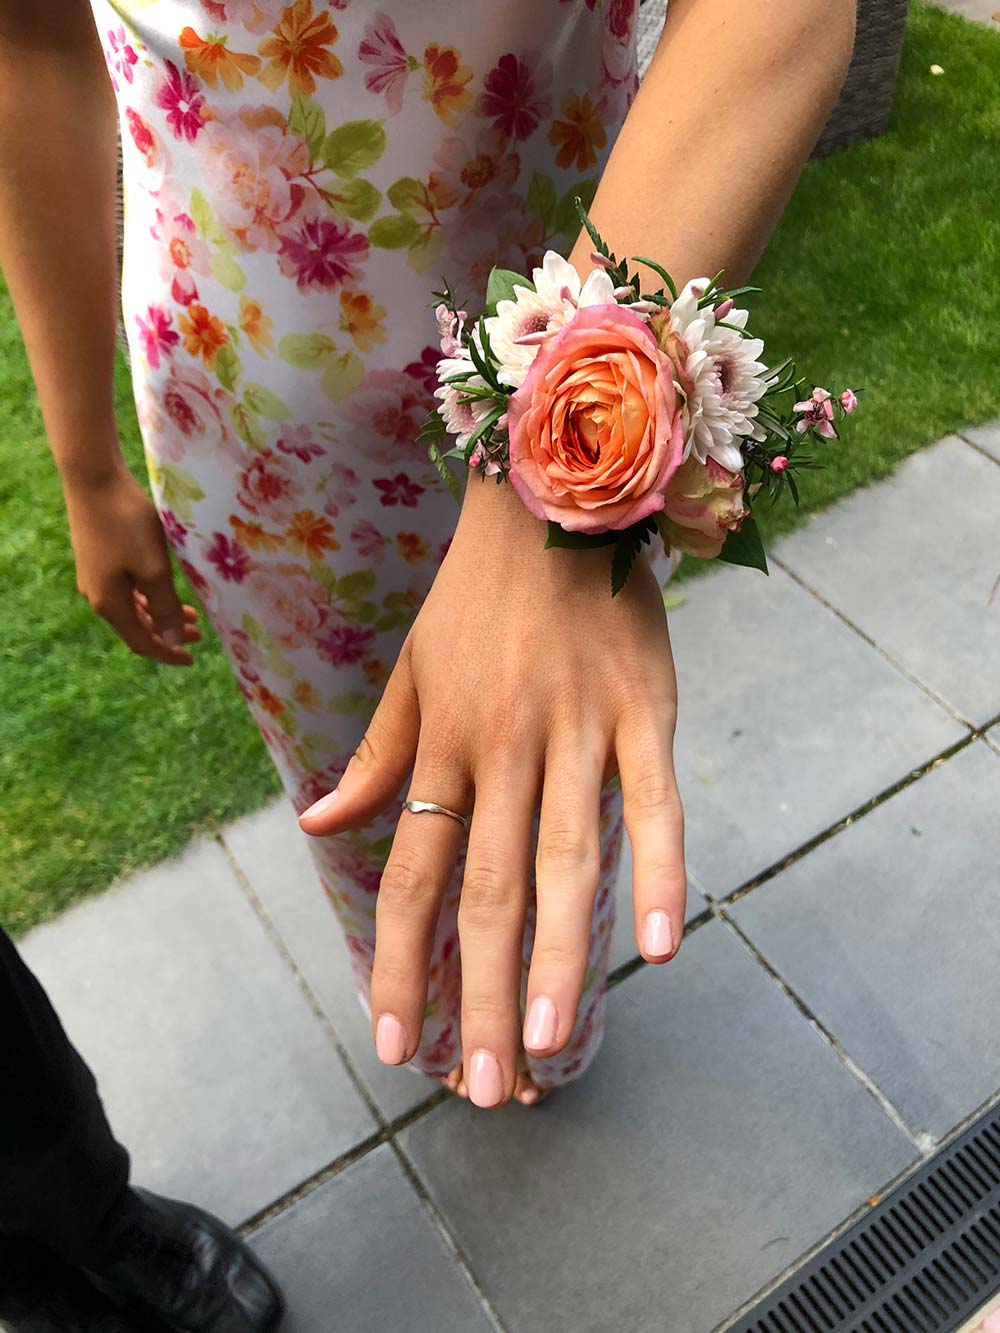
(617, 413)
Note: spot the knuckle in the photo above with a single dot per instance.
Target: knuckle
(552, 956)
(486, 1009)
(403, 887)
(392, 976)
(653, 793)
(563, 847)
(487, 897)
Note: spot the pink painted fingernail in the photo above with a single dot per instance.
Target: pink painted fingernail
(322, 805)
(485, 1079)
(542, 1026)
(390, 1040)
(657, 937)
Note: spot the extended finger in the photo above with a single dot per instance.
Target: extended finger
(491, 925)
(163, 606)
(567, 867)
(415, 879)
(380, 764)
(654, 819)
(192, 632)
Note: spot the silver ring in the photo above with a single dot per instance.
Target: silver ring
(419, 807)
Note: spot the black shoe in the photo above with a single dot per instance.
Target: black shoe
(175, 1262)
(41, 1294)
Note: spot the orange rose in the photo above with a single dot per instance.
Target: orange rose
(595, 429)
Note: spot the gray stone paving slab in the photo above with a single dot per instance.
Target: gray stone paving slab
(788, 720)
(360, 1254)
(979, 11)
(993, 737)
(921, 592)
(714, 1140)
(986, 437)
(890, 934)
(273, 853)
(215, 1071)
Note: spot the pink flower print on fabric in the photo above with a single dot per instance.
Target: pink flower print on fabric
(517, 94)
(323, 253)
(179, 97)
(156, 335)
(381, 48)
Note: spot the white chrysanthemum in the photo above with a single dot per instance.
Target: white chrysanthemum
(557, 295)
(727, 380)
(461, 415)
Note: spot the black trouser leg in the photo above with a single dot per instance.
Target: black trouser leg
(62, 1172)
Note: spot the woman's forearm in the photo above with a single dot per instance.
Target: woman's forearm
(732, 104)
(57, 223)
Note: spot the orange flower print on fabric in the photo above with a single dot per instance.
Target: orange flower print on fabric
(256, 325)
(297, 50)
(580, 135)
(311, 534)
(445, 80)
(305, 693)
(254, 536)
(412, 547)
(211, 60)
(362, 319)
(203, 334)
(268, 700)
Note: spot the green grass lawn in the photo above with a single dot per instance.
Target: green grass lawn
(882, 274)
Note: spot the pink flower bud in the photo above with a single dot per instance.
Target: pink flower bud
(779, 464)
(697, 291)
(621, 292)
(566, 295)
(723, 310)
(848, 401)
(476, 457)
(600, 261)
(642, 307)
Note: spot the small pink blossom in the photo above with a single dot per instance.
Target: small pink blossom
(848, 401)
(516, 94)
(342, 645)
(269, 487)
(398, 490)
(155, 334)
(323, 253)
(779, 463)
(180, 255)
(340, 490)
(817, 413)
(368, 541)
(173, 528)
(178, 95)
(298, 440)
(381, 48)
(120, 56)
(230, 558)
(424, 371)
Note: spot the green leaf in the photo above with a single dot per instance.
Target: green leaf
(228, 366)
(277, 662)
(501, 286)
(357, 199)
(425, 250)
(406, 193)
(362, 613)
(668, 281)
(395, 232)
(558, 536)
(252, 629)
(351, 701)
(306, 351)
(226, 271)
(444, 471)
(246, 426)
(308, 120)
(200, 212)
(177, 489)
(592, 232)
(324, 576)
(671, 602)
(566, 220)
(628, 546)
(262, 400)
(354, 146)
(745, 547)
(359, 583)
(541, 198)
(342, 375)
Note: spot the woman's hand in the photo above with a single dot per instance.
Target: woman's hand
(520, 680)
(123, 566)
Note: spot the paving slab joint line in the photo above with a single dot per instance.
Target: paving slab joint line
(978, 447)
(893, 662)
(447, 1236)
(923, 1142)
(852, 817)
(808, 1255)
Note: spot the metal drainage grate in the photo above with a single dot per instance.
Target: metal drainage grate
(924, 1260)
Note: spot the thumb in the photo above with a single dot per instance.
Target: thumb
(380, 765)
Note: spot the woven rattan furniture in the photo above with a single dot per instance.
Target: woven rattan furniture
(866, 98)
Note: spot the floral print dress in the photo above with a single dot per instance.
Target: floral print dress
(297, 179)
